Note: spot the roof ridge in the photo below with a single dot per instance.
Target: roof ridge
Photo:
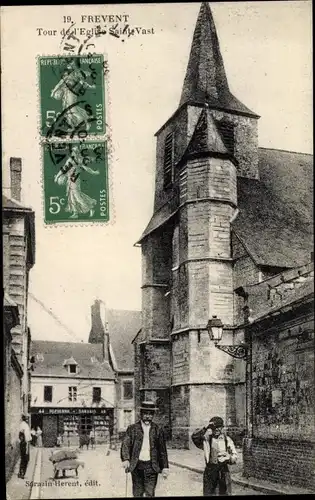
(62, 342)
(286, 151)
(123, 310)
(16, 202)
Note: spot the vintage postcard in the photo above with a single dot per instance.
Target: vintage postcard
(158, 263)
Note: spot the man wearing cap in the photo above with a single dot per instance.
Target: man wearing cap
(144, 453)
(219, 451)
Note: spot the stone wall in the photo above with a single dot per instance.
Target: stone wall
(13, 412)
(207, 363)
(156, 365)
(280, 460)
(137, 371)
(180, 358)
(280, 445)
(16, 285)
(180, 416)
(283, 382)
(245, 142)
(156, 279)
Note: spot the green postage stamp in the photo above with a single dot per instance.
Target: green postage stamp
(75, 181)
(71, 96)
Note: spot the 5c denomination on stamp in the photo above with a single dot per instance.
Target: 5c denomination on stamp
(76, 184)
(71, 94)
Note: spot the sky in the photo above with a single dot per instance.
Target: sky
(266, 47)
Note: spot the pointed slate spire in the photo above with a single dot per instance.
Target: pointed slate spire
(205, 80)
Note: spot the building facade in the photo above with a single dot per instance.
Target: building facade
(280, 430)
(18, 229)
(220, 206)
(73, 392)
(115, 330)
(78, 388)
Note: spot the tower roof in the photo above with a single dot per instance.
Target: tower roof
(206, 80)
(206, 138)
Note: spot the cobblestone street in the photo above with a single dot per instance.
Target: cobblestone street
(103, 477)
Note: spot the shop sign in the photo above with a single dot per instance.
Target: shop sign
(68, 411)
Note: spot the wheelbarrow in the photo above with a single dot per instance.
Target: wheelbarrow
(68, 464)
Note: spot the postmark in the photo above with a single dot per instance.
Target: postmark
(71, 95)
(75, 176)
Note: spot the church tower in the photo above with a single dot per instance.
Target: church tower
(208, 143)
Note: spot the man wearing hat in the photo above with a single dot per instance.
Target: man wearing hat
(219, 451)
(144, 453)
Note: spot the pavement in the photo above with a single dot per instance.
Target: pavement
(20, 489)
(103, 477)
(194, 460)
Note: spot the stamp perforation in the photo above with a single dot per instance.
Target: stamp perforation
(106, 137)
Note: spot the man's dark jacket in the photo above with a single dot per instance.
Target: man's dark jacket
(132, 443)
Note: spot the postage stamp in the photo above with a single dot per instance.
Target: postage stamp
(71, 95)
(75, 178)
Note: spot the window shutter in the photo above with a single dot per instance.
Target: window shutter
(226, 130)
(168, 159)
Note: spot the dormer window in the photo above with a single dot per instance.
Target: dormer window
(71, 365)
(72, 368)
(168, 164)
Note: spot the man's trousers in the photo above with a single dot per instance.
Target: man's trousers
(23, 464)
(216, 475)
(144, 480)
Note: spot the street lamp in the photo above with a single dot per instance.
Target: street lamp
(215, 331)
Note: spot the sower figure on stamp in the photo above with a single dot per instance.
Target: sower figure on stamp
(78, 202)
(144, 453)
(219, 451)
(69, 90)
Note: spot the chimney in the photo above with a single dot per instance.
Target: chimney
(106, 331)
(97, 333)
(16, 175)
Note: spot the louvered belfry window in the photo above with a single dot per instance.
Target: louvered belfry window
(168, 159)
(226, 129)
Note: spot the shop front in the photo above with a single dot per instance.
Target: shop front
(73, 423)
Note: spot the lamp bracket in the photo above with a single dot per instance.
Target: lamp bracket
(236, 351)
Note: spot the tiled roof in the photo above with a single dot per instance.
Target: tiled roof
(123, 325)
(275, 213)
(50, 357)
(14, 204)
(275, 218)
(291, 287)
(206, 138)
(160, 217)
